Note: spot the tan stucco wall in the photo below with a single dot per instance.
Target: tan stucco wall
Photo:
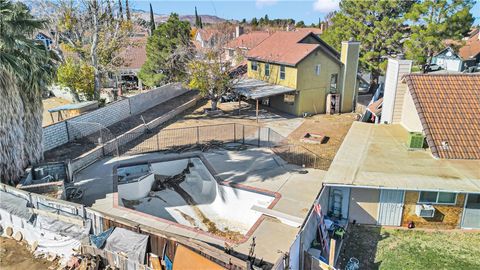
(409, 117)
(446, 216)
(364, 205)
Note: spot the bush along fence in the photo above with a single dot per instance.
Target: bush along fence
(83, 125)
(228, 136)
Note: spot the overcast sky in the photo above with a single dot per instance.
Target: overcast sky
(307, 10)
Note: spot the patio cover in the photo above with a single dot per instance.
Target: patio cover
(256, 89)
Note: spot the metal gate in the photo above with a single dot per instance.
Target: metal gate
(391, 206)
(471, 213)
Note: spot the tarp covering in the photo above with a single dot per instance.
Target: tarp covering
(131, 243)
(14, 205)
(100, 239)
(255, 89)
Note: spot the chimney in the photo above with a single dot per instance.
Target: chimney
(349, 58)
(322, 27)
(394, 90)
(288, 27)
(238, 31)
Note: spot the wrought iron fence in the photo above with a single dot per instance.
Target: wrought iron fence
(205, 137)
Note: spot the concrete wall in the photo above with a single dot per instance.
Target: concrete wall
(142, 102)
(409, 116)
(55, 135)
(83, 125)
(446, 216)
(364, 205)
(86, 124)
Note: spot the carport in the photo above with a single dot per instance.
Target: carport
(258, 89)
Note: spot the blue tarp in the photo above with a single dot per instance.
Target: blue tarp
(100, 239)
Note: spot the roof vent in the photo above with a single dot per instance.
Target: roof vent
(415, 140)
(445, 145)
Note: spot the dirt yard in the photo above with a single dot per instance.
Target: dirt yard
(388, 248)
(50, 103)
(16, 256)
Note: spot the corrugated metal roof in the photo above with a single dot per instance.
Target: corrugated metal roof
(255, 89)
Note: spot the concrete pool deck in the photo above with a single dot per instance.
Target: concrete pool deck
(258, 168)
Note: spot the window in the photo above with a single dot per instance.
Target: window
(282, 72)
(437, 197)
(317, 69)
(289, 98)
(333, 83)
(254, 65)
(267, 69)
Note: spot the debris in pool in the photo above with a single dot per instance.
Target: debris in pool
(130, 203)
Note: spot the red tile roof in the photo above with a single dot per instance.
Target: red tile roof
(449, 109)
(471, 48)
(248, 41)
(285, 48)
(134, 55)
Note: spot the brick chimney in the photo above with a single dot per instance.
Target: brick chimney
(349, 58)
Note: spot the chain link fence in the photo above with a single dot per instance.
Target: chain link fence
(228, 136)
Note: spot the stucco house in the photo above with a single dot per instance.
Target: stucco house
(297, 72)
(420, 165)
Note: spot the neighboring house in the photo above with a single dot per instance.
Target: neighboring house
(236, 49)
(207, 38)
(295, 71)
(133, 57)
(47, 40)
(467, 58)
(421, 168)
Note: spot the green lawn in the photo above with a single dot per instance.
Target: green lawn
(381, 248)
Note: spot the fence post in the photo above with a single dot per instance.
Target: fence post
(258, 136)
(158, 143)
(268, 137)
(243, 134)
(198, 135)
(234, 132)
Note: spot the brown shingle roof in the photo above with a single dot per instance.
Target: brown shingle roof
(449, 109)
(134, 55)
(285, 48)
(248, 41)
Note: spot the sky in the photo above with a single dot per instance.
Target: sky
(307, 10)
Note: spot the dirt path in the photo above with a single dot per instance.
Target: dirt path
(74, 149)
(16, 256)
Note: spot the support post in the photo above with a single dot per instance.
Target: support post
(256, 111)
(158, 143)
(331, 258)
(243, 134)
(234, 132)
(259, 128)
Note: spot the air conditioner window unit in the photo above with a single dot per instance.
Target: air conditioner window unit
(425, 210)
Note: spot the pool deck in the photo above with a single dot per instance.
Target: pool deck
(257, 168)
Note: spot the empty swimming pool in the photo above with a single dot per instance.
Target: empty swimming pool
(184, 191)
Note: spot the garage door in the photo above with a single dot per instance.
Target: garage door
(391, 206)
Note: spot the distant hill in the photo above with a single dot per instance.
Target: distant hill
(207, 19)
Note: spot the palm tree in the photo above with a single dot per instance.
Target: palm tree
(26, 69)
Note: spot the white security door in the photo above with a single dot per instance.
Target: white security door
(391, 206)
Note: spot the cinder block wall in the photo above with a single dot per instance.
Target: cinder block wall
(71, 129)
(55, 135)
(145, 101)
